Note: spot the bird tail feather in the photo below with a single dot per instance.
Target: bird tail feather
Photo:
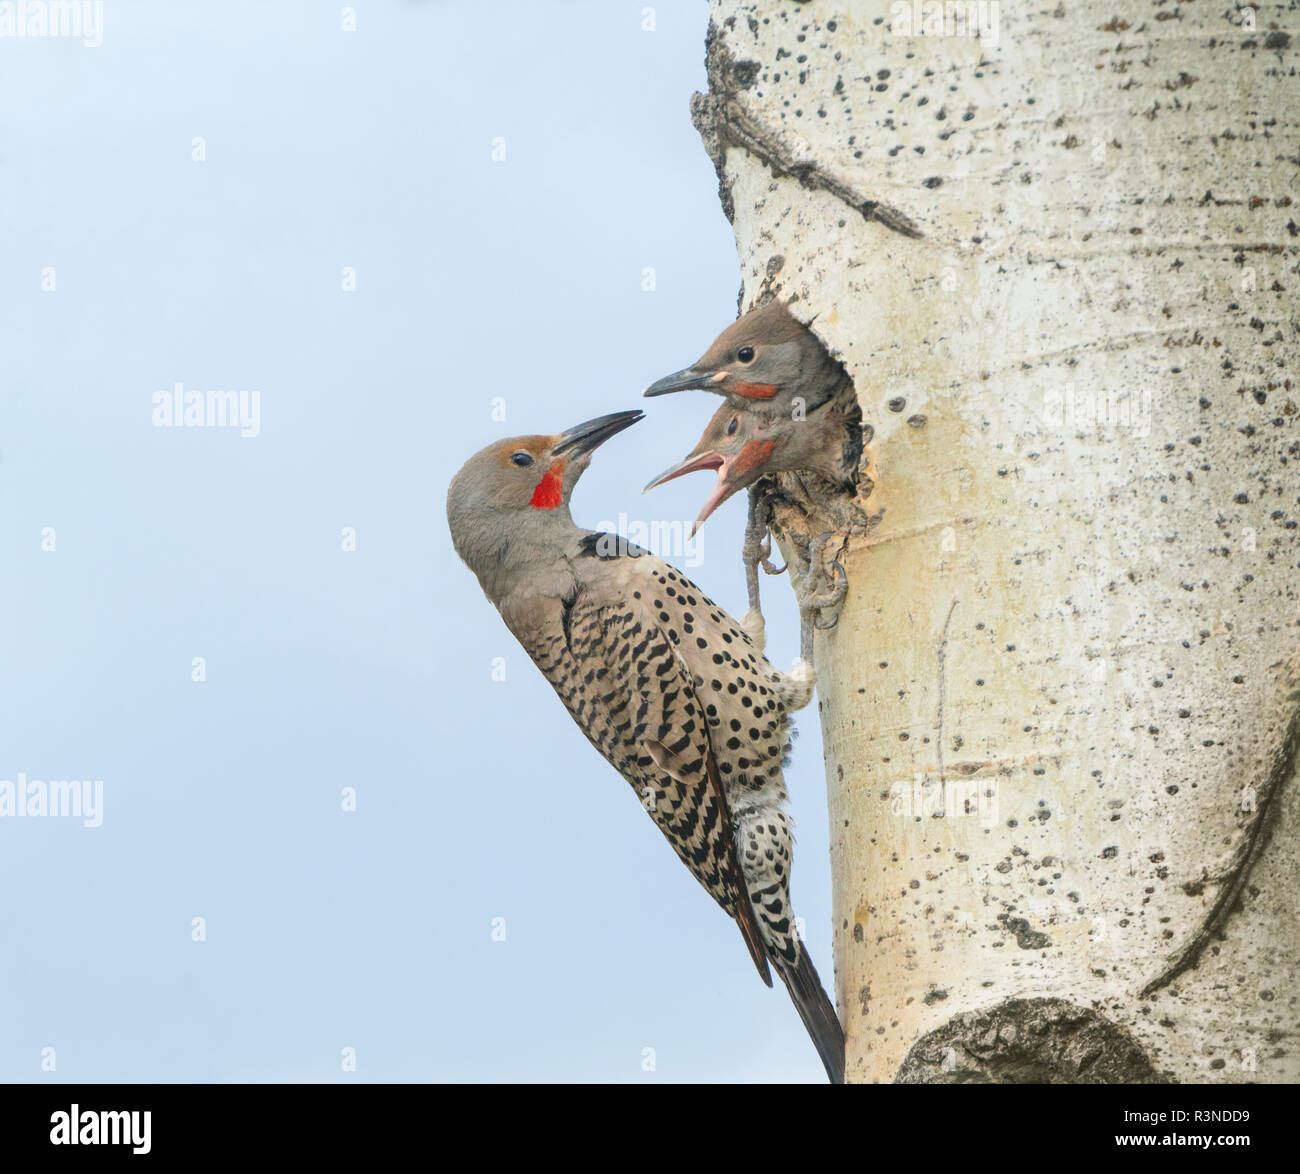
(816, 1010)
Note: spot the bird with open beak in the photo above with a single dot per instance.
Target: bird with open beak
(746, 444)
(790, 408)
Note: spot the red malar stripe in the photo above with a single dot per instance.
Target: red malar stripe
(550, 489)
(753, 455)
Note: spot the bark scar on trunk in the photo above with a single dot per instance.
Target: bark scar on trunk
(721, 119)
(1028, 1041)
(1285, 764)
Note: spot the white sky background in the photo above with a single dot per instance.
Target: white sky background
(371, 669)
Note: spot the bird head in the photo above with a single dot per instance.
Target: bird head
(518, 490)
(741, 444)
(744, 444)
(763, 356)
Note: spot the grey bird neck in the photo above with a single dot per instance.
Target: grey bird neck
(515, 553)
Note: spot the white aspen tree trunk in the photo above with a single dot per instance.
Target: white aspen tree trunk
(1061, 706)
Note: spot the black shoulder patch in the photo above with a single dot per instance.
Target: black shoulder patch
(601, 545)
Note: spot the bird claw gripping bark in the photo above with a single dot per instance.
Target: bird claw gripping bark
(823, 589)
(766, 561)
(772, 495)
(757, 552)
(828, 581)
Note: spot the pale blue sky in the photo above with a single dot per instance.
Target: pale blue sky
(476, 799)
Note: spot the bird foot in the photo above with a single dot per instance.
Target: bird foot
(757, 550)
(824, 588)
(765, 560)
(753, 625)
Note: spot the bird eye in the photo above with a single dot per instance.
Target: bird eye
(735, 423)
(521, 458)
(745, 354)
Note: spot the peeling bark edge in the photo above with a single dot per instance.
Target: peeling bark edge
(722, 120)
(1285, 764)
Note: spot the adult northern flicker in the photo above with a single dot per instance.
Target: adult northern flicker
(660, 679)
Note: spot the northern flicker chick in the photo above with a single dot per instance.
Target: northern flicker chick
(745, 445)
(790, 408)
(766, 356)
(665, 685)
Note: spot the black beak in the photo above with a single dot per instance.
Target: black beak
(584, 438)
(687, 379)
